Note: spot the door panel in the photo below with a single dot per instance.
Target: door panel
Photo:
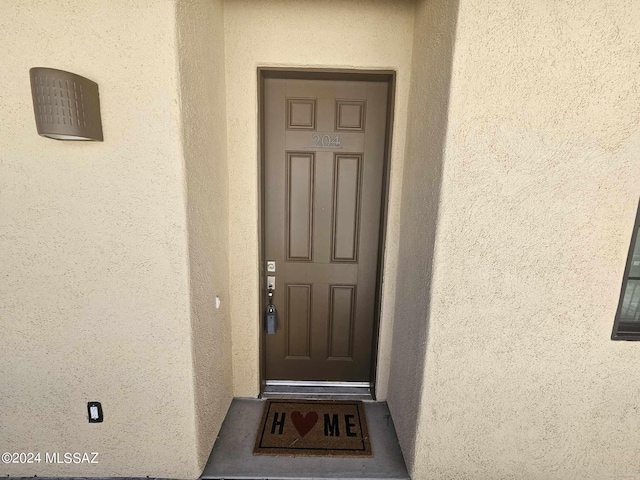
(298, 313)
(324, 158)
(342, 307)
(299, 213)
(346, 207)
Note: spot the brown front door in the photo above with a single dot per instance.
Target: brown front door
(324, 150)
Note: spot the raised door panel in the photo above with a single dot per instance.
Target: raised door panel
(299, 210)
(346, 207)
(298, 316)
(342, 306)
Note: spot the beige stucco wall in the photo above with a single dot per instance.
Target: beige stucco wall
(434, 35)
(374, 34)
(200, 28)
(99, 263)
(509, 225)
(538, 196)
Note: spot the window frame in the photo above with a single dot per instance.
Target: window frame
(627, 335)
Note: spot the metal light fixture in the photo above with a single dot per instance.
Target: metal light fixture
(66, 105)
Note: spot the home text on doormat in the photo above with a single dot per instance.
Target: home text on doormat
(309, 427)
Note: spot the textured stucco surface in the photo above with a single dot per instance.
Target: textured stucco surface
(95, 277)
(509, 226)
(434, 34)
(200, 30)
(539, 190)
(373, 34)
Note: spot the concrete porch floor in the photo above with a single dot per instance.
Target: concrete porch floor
(232, 455)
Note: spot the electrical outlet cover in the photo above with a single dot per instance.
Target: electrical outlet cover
(95, 412)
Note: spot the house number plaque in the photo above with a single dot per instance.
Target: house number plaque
(326, 141)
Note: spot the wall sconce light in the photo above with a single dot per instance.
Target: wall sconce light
(66, 105)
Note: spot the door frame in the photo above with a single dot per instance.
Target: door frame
(387, 76)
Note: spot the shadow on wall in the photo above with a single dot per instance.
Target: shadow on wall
(433, 47)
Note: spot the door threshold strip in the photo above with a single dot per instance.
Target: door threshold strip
(317, 392)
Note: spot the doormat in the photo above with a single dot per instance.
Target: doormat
(313, 428)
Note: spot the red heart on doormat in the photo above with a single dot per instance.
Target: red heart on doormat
(305, 423)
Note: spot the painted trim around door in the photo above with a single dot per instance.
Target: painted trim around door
(388, 76)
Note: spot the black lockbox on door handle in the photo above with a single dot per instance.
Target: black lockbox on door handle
(271, 316)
